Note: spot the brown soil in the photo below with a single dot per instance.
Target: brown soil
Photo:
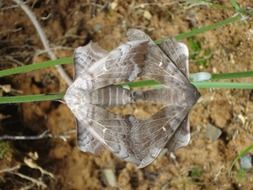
(68, 24)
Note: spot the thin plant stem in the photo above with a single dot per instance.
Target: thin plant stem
(232, 75)
(138, 84)
(46, 134)
(43, 39)
(141, 83)
(235, 5)
(203, 29)
(241, 154)
(43, 135)
(35, 66)
(30, 98)
(37, 182)
(224, 85)
(10, 169)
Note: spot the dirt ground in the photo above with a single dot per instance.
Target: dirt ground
(57, 163)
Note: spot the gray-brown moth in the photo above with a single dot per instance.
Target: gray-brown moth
(136, 141)
(92, 91)
(167, 64)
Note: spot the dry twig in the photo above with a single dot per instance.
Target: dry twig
(38, 183)
(14, 168)
(14, 171)
(64, 136)
(43, 38)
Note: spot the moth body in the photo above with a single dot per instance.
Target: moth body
(109, 96)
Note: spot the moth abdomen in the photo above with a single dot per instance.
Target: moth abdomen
(109, 96)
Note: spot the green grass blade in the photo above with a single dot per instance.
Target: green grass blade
(203, 29)
(235, 5)
(36, 66)
(141, 83)
(30, 98)
(137, 84)
(224, 85)
(232, 75)
(241, 154)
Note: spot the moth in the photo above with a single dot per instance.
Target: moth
(133, 140)
(168, 64)
(92, 91)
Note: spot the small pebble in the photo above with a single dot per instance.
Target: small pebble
(110, 177)
(114, 5)
(246, 162)
(147, 15)
(201, 76)
(213, 133)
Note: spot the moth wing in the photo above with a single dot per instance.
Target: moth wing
(158, 66)
(151, 135)
(181, 137)
(113, 131)
(86, 141)
(116, 134)
(109, 129)
(164, 96)
(135, 34)
(87, 55)
(178, 53)
(120, 65)
(84, 57)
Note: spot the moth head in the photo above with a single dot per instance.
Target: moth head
(192, 95)
(133, 75)
(137, 95)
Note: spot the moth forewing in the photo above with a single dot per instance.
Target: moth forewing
(86, 56)
(113, 131)
(178, 54)
(156, 57)
(181, 137)
(151, 135)
(124, 56)
(120, 65)
(86, 140)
